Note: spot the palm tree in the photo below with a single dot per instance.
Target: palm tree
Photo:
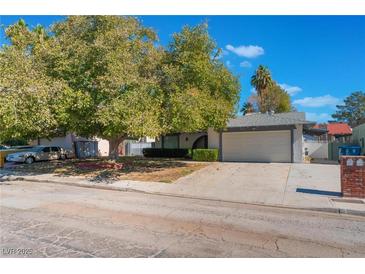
(261, 81)
(247, 108)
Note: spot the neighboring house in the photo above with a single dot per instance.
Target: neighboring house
(253, 138)
(358, 136)
(77, 146)
(336, 131)
(339, 132)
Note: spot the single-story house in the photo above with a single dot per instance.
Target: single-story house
(254, 137)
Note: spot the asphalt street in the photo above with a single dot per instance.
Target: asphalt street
(51, 220)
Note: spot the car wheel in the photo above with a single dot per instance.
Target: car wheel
(62, 157)
(29, 160)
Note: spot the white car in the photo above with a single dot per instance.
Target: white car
(37, 153)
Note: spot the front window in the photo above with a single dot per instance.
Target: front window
(170, 141)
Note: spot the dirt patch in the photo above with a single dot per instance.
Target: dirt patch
(133, 168)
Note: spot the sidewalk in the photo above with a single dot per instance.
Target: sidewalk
(282, 193)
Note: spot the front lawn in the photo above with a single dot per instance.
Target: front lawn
(134, 168)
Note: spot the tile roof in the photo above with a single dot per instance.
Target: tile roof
(339, 129)
(264, 119)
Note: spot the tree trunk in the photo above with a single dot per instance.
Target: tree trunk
(113, 147)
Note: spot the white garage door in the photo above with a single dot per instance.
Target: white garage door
(263, 146)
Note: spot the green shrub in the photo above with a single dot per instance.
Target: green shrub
(166, 152)
(207, 155)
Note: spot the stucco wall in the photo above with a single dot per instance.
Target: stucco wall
(298, 144)
(213, 138)
(187, 139)
(158, 142)
(64, 142)
(103, 147)
(316, 149)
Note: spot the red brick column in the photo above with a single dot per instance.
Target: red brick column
(353, 176)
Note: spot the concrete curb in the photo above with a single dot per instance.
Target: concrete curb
(338, 211)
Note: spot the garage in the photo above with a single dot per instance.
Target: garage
(257, 146)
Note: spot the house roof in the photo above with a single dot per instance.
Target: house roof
(268, 120)
(339, 129)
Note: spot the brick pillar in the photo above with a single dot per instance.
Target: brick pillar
(353, 176)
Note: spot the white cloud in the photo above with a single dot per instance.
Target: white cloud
(318, 117)
(291, 90)
(246, 51)
(245, 64)
(320, 101)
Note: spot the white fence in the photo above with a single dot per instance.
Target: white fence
(316, 149)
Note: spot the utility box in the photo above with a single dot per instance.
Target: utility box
(353, 176)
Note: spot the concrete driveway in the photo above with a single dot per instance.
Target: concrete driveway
(270, 184)
(249, 182)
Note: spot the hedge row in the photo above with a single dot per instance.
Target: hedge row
(207, 155)
(195, 154)
(166, 152)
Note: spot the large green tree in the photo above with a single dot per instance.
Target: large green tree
(352, 110)
(29, 99)
(277, 99)
(199, 91)
(105, 76)
(110, 64)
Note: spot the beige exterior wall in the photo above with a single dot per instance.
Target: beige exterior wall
(187, 139)
(158, 142)
(298, 144)
(103, 147)
(316, 149)
(67, 141)
(213, 138)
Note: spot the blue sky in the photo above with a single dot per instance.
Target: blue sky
(319, 59)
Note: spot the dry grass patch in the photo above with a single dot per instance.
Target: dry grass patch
(134, 168)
